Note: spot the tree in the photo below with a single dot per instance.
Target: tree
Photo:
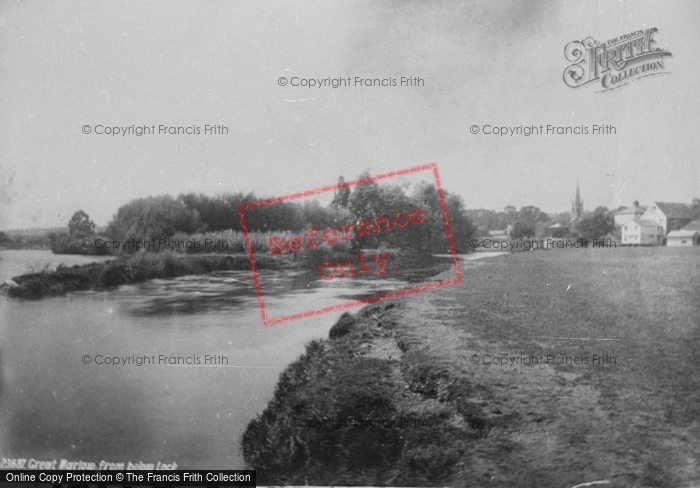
(527, 221)
(532, 215)
(277, 216)
(596, 224)
(462, 227)
(369, 201)
(365, 201)
(342, 194)
(430, 236)
(332, 216)
(542, 229)
(484, 220)
(511, 214)
(522, 229)
(154, 218)
(220, 212)
(695, 208)
(81, 226)
(563, 218)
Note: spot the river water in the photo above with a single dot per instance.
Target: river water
(58, 403)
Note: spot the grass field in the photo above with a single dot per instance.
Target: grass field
(634, 421)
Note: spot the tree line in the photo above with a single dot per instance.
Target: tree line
(530, 221)
(161, 217)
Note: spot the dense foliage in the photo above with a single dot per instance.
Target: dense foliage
(154, 218)
(531, 222)
(163, 217)
(596, 224)
(80, 227)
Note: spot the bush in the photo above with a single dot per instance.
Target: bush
(153, 218)
(342, 327)
(64, 244)
(227, 241)
(115, 274)
(138, 268)
(315, 257)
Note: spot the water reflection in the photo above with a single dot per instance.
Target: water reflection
(55, 406)
(189, 295)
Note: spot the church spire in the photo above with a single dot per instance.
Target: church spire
(577, 206)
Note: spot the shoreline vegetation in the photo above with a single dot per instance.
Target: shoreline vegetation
(144, 266)
(137, 268)
(166, 237)
(355, 409)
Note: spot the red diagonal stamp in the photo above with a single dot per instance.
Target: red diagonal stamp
(356, 238)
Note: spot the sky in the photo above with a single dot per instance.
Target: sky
(66, 65)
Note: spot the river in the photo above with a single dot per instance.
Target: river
(58, 402)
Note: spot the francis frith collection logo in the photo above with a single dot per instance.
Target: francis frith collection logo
(615, 63)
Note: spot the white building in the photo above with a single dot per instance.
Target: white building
(501, 233)
(642, 233)
(670, 216)
(630, 213)
(678, 238)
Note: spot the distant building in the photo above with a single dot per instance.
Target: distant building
(501, 233)
(642, 233)
(670, 216)
(630, 213)
(576, 208)
(557, 230)
(678, 238)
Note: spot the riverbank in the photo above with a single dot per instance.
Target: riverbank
(407, 392)
(146, 266)
(357, 410)
(135, 269)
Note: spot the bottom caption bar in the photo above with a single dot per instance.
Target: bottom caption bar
(131, 478)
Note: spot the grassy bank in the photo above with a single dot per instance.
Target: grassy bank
(352, 411)
(145, 266)
(400, 394)
(135, 269)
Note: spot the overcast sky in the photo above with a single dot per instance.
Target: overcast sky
(64, 65)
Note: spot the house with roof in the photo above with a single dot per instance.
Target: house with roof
(630, 213)
(683, 238)
(694, 225)
(642, 233)
(557, 230)
(670, 216)
(501, 233)
(689, 235)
